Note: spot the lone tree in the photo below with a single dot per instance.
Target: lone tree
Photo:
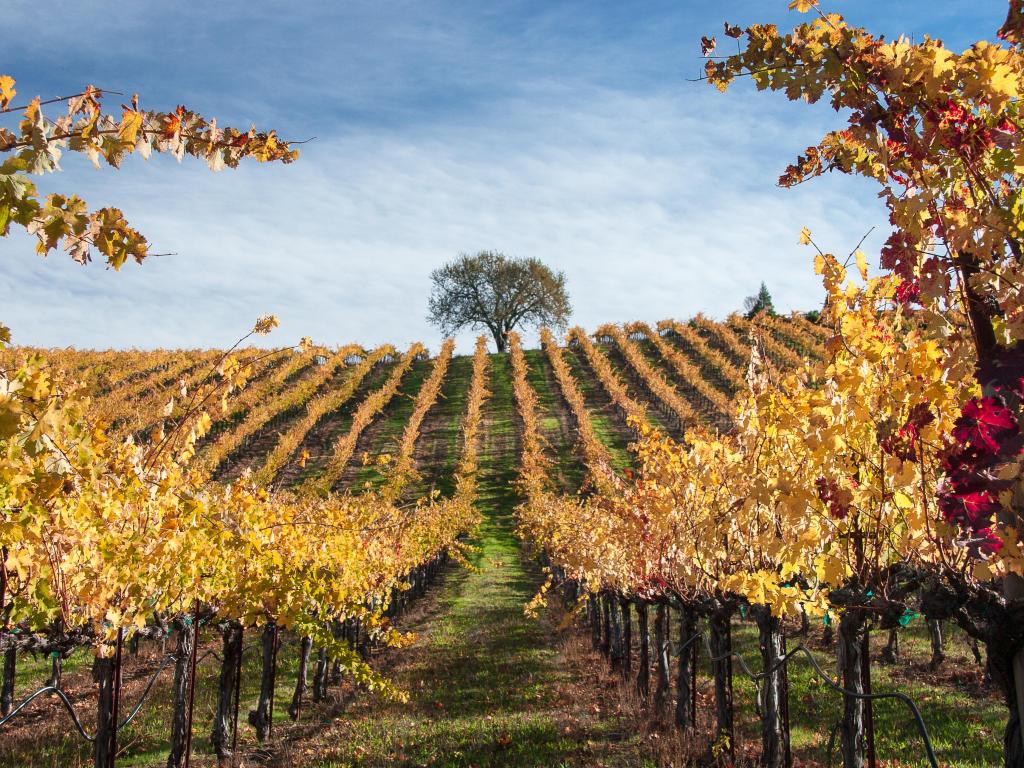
(492, 291)
(760, 303)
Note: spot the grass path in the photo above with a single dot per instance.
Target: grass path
(488, 686)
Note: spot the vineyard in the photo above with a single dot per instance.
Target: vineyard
(393, 447)
(777, 540)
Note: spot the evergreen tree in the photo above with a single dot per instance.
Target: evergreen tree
(762, 302)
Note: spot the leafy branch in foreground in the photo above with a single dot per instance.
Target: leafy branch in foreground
(38, 143)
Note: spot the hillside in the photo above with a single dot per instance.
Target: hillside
(299, 403)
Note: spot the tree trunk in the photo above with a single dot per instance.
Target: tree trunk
(684, 676)
(594, 611)
(616, 629)
(1001, 669)
(661, 663)
(259, 718)
(849, 651)
(1006, 668)
(362, 641)
(627, 639)
(352, 626)
(7, 687)
(300, 683)
(606, 625)
(56, 669)
(891, 652)
(643, 672)
(184, 648)
(935, 634)
(972, 642)
(103, 674)
(223, 719)
(500, 340)
(320, 676)
(774, 737)
(721, 648)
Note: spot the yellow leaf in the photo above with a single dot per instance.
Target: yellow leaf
(862, 264)
(131, 122)
(803, 6)
(265, 324)
(805, 236)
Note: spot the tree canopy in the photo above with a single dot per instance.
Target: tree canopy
(493, 291)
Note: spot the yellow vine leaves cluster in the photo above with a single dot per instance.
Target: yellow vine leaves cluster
(828, 480)
(40, 141)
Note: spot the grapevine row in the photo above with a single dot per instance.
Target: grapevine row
(608, 377)
(822, 501)
(651, 377)
(805, 344)
(288, 442)
(402, 470)
(735, 347)
(756, 332)
(532, 462)
(466, 473)
(169, 550)
(727, 374)
(345, 446)
(295, 396)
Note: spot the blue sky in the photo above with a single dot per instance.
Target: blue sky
(569, 131)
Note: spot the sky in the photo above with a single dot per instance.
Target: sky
(570, 131)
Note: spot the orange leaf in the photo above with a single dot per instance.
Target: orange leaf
(7, 91)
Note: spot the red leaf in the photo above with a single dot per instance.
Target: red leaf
(984, 423)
